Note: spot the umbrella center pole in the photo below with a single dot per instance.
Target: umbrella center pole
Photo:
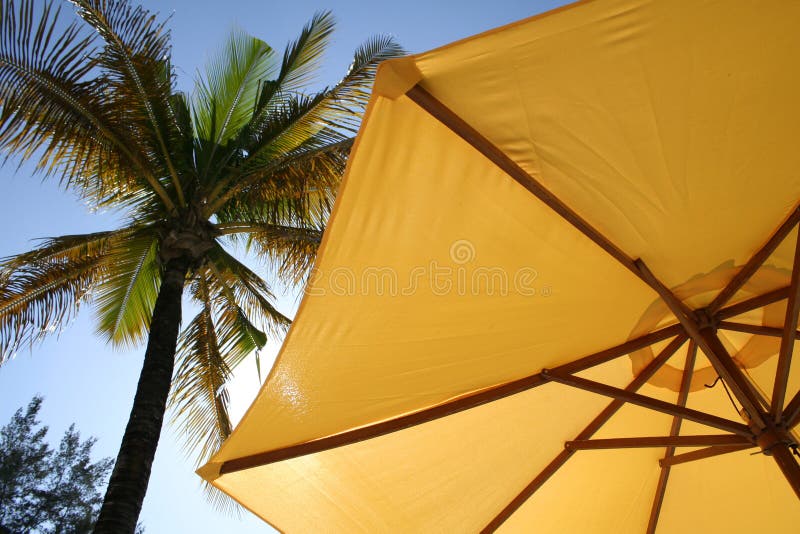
(781, 446)
(774, 439)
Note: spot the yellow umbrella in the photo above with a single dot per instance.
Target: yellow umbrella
(533, 221)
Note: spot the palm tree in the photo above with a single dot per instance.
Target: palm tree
(250, 157)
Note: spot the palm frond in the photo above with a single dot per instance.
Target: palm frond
(64, 249)
(43, 289)
(279, 128)
(135, 62)
(297, 121)
(291, 140)
(290, 250)
(339, 107)
(238, 337)
(354, 88)
(182, 142)
(301, 61)
(125, 300)
(298, 189)
(225, 98)
(218, 338)
(199, 400)
(250, 292)
(220, 501)
(52, 113)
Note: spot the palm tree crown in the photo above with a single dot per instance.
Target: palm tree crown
(250, 156)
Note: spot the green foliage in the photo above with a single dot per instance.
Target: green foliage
(44, 490)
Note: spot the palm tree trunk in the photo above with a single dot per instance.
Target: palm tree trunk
(128, 484)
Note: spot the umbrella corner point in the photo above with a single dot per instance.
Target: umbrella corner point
(395, 77)
(210, 471)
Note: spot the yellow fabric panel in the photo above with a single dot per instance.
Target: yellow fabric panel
(783, 256)
(671, 126)
(612, 491)
(363, 353)
(446, 476)
(602, 491)
(609, 492)
(736, 492)
(764, 375)
(450, 475)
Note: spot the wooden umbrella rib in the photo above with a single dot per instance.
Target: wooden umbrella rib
(648, 402)
(562, 457)
(757, 329)
(754, 303)
(700, 454)
(787, 339)
(750, 268)
(720, 440)
(675, 429)
(457, 405)
(792, 412)
(628, 347)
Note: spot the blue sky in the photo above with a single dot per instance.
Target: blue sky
(87, 382)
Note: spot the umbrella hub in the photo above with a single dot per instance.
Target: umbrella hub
(696, 296)
(706, 320)
(773, 437)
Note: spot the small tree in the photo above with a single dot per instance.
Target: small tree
(44, 490)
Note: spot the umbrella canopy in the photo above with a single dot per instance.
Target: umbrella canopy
(551, 241)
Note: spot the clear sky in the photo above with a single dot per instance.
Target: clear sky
(87, 382)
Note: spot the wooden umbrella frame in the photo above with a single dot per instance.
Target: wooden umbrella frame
(768, 421)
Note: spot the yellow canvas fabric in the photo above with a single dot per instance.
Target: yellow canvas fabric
(669, 126)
